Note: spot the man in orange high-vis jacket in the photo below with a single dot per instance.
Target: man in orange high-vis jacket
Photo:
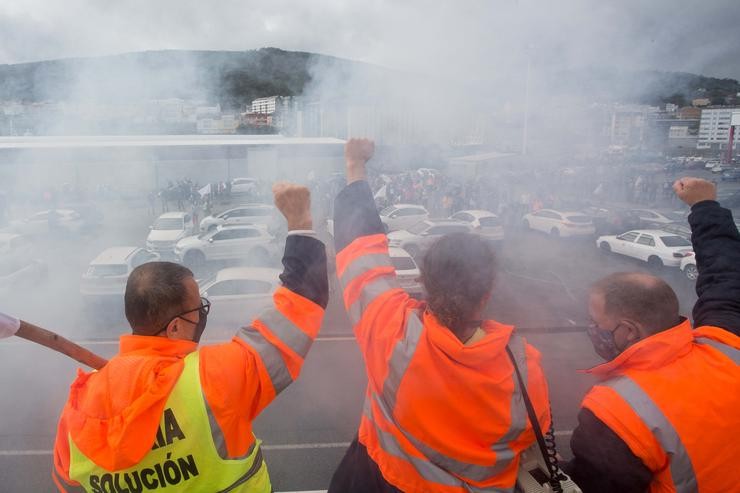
(164, 414)
(443, 409)
(665, 416)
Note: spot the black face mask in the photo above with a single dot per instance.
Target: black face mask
(200, 326)
(604, 343)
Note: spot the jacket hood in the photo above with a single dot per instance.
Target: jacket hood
(113, 414)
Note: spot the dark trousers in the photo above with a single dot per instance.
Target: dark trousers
(358, 473)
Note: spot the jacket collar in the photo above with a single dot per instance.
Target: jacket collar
(162, 346)
(650, 353)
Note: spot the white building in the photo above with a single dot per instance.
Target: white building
(629, 124)
(221, 124)
(714, 128)
(265, 105)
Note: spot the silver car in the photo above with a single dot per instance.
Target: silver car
(418, 238)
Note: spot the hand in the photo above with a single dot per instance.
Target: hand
(695, 190)
(8, 325)
(357, 152)
(294, 202)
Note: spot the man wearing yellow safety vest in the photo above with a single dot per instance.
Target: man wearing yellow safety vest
(665, 415)
(164, 414)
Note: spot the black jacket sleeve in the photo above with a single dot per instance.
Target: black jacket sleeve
(304, 272)
(602, 462)
(355, 214)
(717, 248)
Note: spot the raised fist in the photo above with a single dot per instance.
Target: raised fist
(357, 152)
(294, 202)
(695, 190)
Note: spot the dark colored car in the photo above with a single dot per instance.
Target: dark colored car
(612, 221)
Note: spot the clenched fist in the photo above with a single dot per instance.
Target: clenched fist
(357, 152)
(695, 190)
(294, 202)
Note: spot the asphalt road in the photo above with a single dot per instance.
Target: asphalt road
(540, 288)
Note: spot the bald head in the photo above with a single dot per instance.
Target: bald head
(642, 298)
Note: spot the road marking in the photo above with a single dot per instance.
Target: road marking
(284, 446)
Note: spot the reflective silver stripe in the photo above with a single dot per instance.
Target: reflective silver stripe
(403, 353)
(682, 471)
(219, 440)
(257, 463)
(362, 264)
(729, 351)
(286, 331)
(271, 357)
(67, 488)
(369, 292)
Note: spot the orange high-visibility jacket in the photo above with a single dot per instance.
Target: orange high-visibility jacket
(113, 415)
(674, 399)
(439, 416)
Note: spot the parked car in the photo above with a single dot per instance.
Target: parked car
(107, 274)
(611, 221)
(407, 272)
(20, 274)
(250, 243)
(241, 186)
(41, 223)
(486, 224)
(731, 175)
(238, 294)
(678, 228)
(15, 248)
(402, 216)
(418, 238)
(559, 223)
(243, 214)
(167, 230)
(688, 267)
(653, 246)
(650, 218)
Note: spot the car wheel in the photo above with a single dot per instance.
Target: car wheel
(194, 259)
(413, 250)
(655, 263)
(605, 247)
(691, 272)
(555, 232)
(259, 256)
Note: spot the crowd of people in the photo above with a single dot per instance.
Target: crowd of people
(453, 400)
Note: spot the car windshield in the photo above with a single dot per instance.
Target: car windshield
(578, 219)
(108, 270)
(168, 224)
(403, 263)
(675, 241)
(387, 211)
(418, 228)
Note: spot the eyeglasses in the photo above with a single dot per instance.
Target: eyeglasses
(203, 309)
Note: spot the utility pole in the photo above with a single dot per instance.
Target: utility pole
(526, 105)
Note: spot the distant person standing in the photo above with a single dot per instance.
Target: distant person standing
(151, 198)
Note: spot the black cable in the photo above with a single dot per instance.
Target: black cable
(550, 457)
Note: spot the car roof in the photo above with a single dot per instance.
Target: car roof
(571, 213)
(445, 222)
(657, 232)
(266, 274)
(416, 206)
(114, 255)
(478, 213)
(173, 215)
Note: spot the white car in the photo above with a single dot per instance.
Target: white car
(486, 224)
(239, 294)
(653, 246)
(108, 272)
(244, 214)
(418, 238)
(18, 268)
(14, 248)
(688, 267)
(251, 243)
(407, 272)
(167, 230)
(43, 222)
(559, 223)
(653, 219)
(402, 216)
(243, 186)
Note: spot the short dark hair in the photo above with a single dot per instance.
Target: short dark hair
(643, 298)
(458, 272)
(155, 292)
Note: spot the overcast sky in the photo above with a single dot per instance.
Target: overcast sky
(451, 36)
